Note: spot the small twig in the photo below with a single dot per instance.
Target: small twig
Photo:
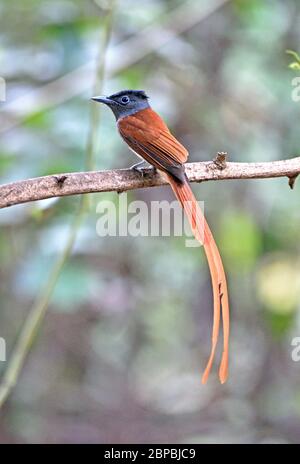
(60, 180)
(292, 180)
(220, 159)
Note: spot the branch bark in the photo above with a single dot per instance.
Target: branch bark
(121, 180)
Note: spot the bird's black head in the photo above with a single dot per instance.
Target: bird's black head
(125, 102)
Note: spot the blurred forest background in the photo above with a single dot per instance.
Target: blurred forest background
(120, 353)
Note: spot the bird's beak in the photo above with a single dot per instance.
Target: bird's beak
(103, 99)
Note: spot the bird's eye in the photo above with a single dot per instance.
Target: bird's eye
(125, 99)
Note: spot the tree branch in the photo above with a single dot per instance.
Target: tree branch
(120, 180)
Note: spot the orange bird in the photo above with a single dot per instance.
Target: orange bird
(147, 136)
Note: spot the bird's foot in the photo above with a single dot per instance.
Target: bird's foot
(143, 168)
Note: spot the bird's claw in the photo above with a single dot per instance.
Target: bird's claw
(142, 168)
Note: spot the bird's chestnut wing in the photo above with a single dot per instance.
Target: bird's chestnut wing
(147, 134)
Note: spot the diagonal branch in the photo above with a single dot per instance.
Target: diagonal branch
(120, 180)
(38, 310)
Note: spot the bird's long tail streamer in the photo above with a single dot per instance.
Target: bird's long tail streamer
(203, 234)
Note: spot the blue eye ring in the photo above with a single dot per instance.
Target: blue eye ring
(125, 100)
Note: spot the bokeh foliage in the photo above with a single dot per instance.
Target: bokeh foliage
(120, 354)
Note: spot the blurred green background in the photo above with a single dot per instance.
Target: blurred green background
(119, 356)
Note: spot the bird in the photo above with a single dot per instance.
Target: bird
(148, 136)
